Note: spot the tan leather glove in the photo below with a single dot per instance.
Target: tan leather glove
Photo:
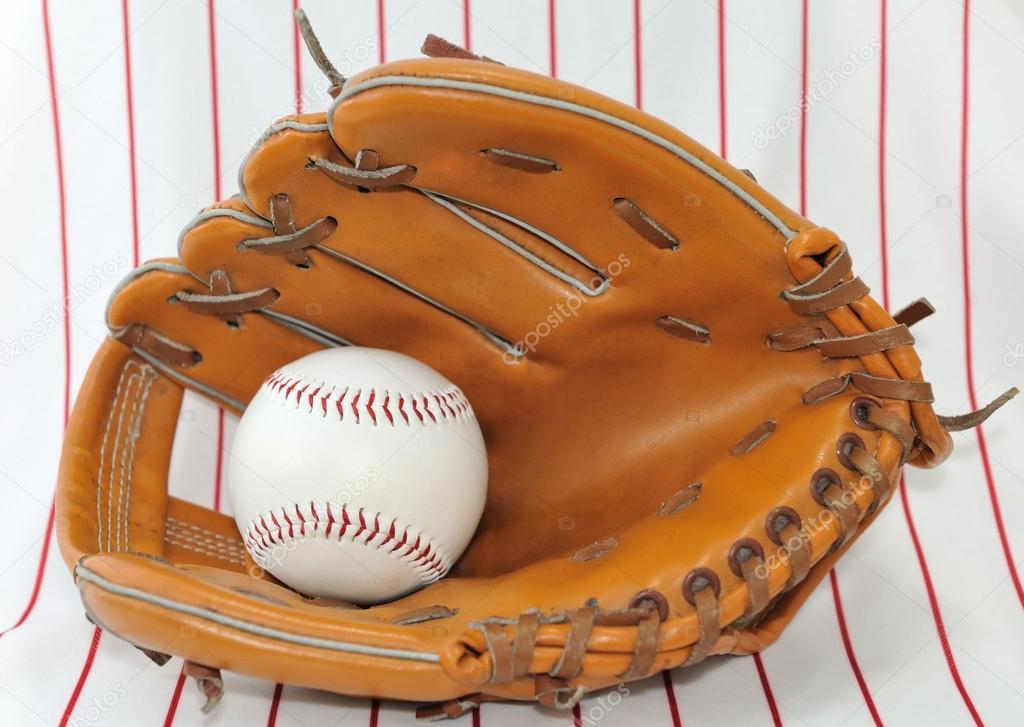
(692, 406)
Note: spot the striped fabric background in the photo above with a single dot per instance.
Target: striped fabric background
(898, 123)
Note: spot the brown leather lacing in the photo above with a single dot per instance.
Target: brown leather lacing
(223, 302)
(834, 288)
(221, 299)
(512, 654)
(644, 225)
(316, 52)
(209, 681)
(754, 437)
(434, 46)
(682, 328)
(153, 342)
(520, 161)
(829, 290)
(288, 240)
(366, 179)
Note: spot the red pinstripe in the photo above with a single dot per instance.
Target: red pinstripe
(382, 51)
(933, 602)
(40, 569)
(997, 513)
(172, 708)
(62, 202)
(883, 106)
(803, 107)
(211, 32)
(297, 58)
(475, 714)
(86, 668)
(467, 22)
(844, 633)
(769, 696)
(211, 22)
(577, 716)
(62, 218)
(670, 696)
(381, 56)
(130, 104)
(723, 149)
(275, 703)
(638, 72)
(553, 37)
(90, 658)
(848, 646)
(211, 29)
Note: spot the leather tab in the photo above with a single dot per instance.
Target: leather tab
(209, 681)
(914, 312)
(975, 418)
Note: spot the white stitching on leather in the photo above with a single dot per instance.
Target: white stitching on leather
(687, 156)
(278, 527)
(369, 406)
(84, 575)
(128, 460)
(181, 540)
(131, 373)
(196, 538)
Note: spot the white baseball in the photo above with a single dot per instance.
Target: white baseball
(357, 474)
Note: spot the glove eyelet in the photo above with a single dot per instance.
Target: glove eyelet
(743, 550)
(860, 409)
(652, 599)
(697, 580)
(844, 448)
(821, 481)
(777, 521)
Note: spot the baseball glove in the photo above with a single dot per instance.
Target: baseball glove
(692, 406)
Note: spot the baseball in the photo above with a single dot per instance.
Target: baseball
(357, 474)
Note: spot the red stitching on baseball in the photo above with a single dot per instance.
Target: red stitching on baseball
(262, 538)
(377, 407)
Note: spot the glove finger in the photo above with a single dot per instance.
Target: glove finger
(500, 286)
(202, 352)
(603, 178)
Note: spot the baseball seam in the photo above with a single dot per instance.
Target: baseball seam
(276, 528)
(370, 406)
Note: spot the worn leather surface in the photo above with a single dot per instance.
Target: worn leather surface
(588, 435)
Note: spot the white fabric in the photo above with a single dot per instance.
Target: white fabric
(889, 618)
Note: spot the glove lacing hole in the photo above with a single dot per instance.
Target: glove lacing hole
(844, 448)
(697, 580)
(651, 599)
(777, 521)
(821, 481)
(742, 551)
(860, 412)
